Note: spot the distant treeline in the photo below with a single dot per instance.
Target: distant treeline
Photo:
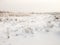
(52, 13)
(23, 14)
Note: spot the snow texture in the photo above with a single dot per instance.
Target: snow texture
(30, 30)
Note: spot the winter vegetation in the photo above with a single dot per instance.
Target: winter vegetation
(18, 28)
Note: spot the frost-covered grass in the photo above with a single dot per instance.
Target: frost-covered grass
(30, 30)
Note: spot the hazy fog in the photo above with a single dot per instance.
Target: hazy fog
(30, 5)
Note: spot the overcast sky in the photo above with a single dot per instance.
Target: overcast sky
(30, 5)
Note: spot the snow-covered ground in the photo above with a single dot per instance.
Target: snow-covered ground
(30, 30)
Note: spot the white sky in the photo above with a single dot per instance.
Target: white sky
(30, 5)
